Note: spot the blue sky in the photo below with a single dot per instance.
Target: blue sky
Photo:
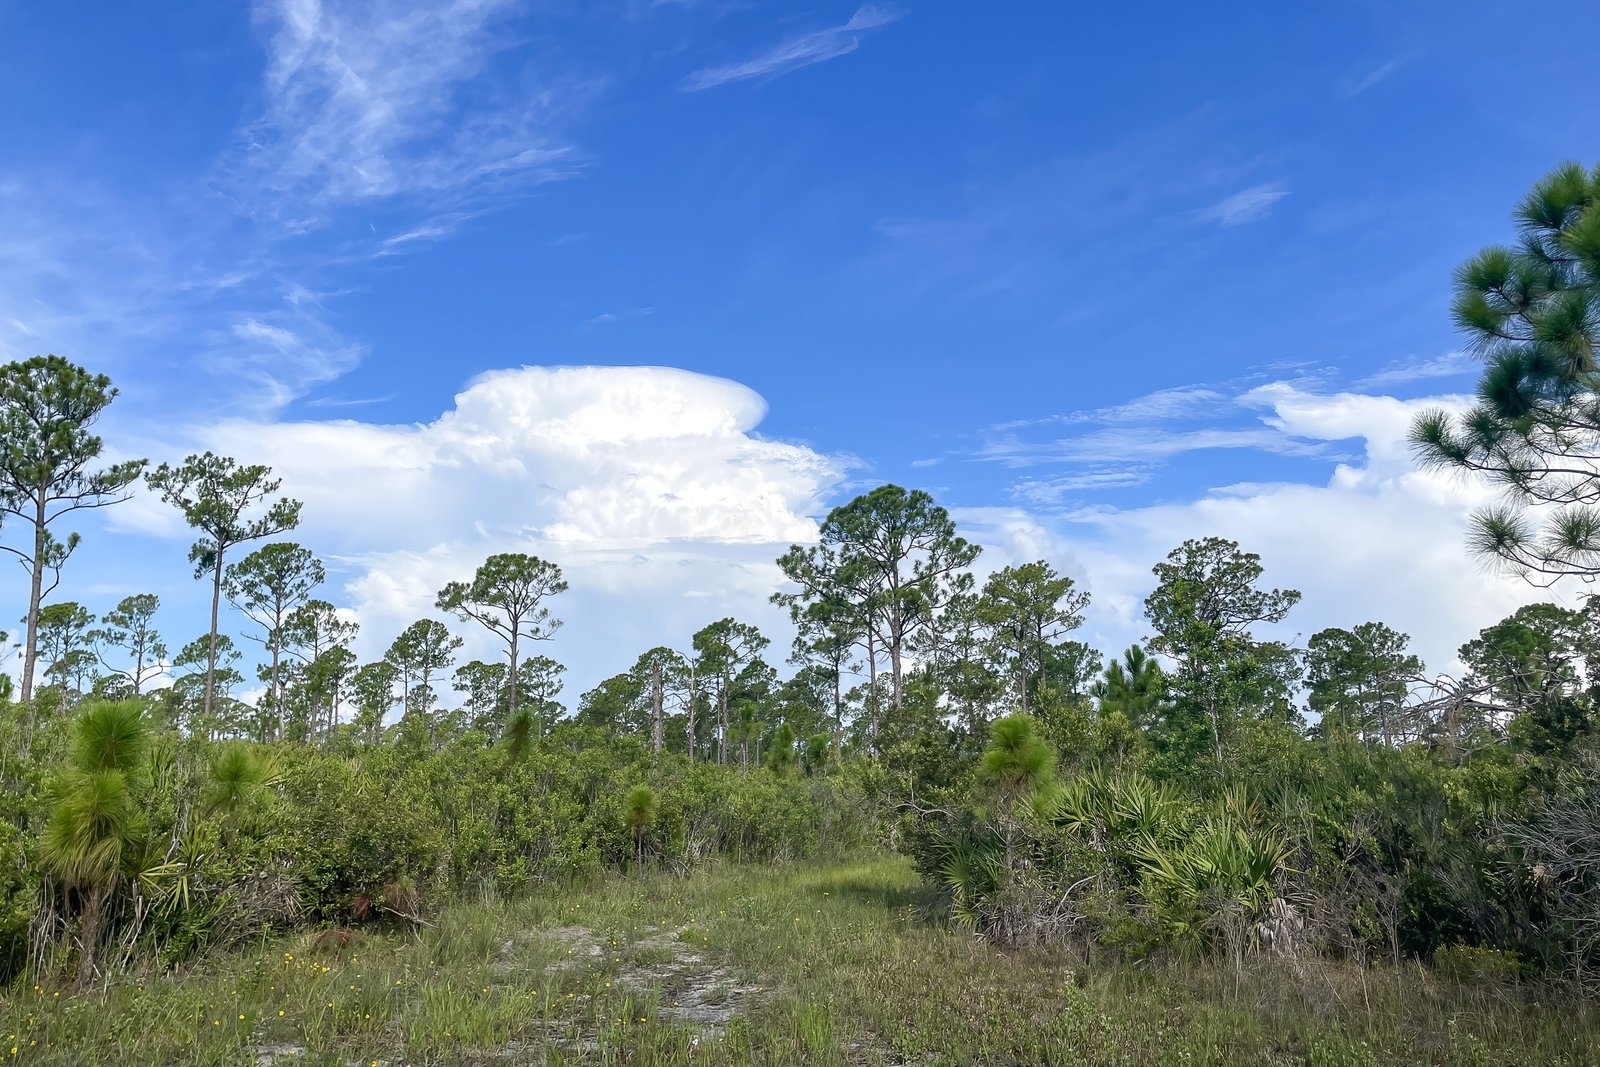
(1100, 277)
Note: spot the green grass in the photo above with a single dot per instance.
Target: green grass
(769, 965)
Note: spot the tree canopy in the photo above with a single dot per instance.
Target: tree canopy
(1531, 312)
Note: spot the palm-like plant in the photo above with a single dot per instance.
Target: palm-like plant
(97, 826)
(1107, 811)
(1016, 764)
(640, 809)
(816, 757)
(1017, 760)
(1132, 687)
(1119, 816)
(1146, 808)
(519, 734)
(972, 874)
(1222, 867)
(240, 780)
(781, 754)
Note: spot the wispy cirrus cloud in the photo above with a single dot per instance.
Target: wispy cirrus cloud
(418, 115)
(1049, 492)
(126, 284)
(435, 229)
(1449, 365)
(1288, 409)
(605, 318)
(1247, 205)
(355, 402)
(1359, 82)
(1172, 403)
(1143, 444)
(381, 99)
(1077, 220)
(285, 362)
(1128, 445)
(797, 52)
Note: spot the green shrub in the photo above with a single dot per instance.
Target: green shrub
(1477, 965)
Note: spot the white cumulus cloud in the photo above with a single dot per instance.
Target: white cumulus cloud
(1379, 539)
(649, 486)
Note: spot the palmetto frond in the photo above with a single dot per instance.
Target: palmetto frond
(1143, 807)
(1126, 808)
(971, 873)
(169, 881)
(1221, 859)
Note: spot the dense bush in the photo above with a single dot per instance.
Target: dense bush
(1480, 862)
(234, 838)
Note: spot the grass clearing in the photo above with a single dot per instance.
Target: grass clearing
(765, 965)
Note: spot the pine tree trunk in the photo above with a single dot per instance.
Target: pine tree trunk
(1216, 737)
(838, 699)
(333, 710)
(30, 658)
(511, 703)
(427, 713)
(694, 702)
(899, 680)
(93, 916)
(405, 695)
(277, 686)
(211, 647)
(655, 704)
(872, 689)
(722, 724)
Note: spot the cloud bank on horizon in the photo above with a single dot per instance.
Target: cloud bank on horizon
(654, 491)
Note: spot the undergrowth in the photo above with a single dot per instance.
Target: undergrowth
(765, 965)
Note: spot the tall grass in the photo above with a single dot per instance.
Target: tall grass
(770, 965)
